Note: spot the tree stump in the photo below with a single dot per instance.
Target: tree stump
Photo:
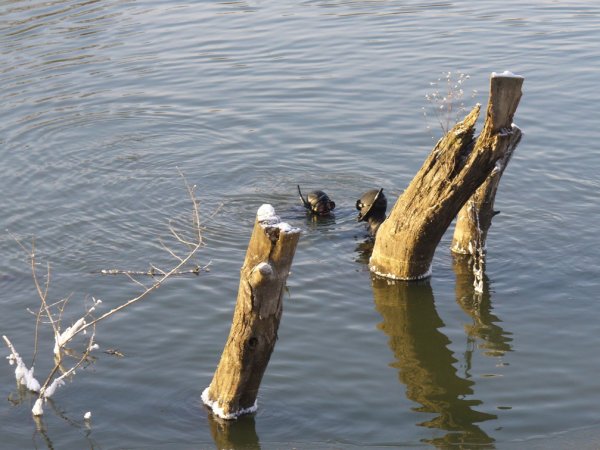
(457, 166)
(475, 217)
(258, 309)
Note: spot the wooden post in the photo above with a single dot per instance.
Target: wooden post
(236, 381)
(457, 166)
(475, 217)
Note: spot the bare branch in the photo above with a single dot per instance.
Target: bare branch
(53, 313)
(155, 269)
(171, 252)
(195, 246)
(136, 281)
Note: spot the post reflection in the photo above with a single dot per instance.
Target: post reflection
(425, 364)
(491, 337)
(239, 433)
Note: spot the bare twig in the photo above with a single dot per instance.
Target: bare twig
(171, 252)
(132, 278)
(153, 273)
(53, 312)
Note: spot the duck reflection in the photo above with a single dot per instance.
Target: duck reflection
(493, 339)
(425, 364)
(239, 433)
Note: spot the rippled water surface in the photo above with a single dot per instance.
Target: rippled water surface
(103, 103)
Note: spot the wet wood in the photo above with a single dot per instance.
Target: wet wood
(256, 318)
(451, 174)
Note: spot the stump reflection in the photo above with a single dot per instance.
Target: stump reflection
(425, 364)
(484, 330)
(234, 434)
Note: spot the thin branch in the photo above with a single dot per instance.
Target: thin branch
(53, 313)
(155, 269)
(136, 281)
(42, 293)
(171, 252)
(153, 273)
(177, 236)
(194, 249)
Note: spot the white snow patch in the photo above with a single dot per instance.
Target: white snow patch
(66, 335)
(218, 411)
(287, 228)
(23, 375)
(50, 390)
(506, 74)
(38, 408)
(30, 381)
(266, 213)
(266, 217)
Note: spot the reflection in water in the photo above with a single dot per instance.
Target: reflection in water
(41, 429)
(234, 434)
(364, 250)
(315, 221)
(425, 364)
(493, 339)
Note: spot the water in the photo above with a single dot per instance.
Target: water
(103, 102)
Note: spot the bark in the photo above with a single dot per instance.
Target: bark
(251, 341)
(457, 166)
(475, 217)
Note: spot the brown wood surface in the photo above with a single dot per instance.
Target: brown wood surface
(451, 174)
(253, 333)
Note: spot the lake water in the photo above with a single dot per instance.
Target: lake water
(103, 102)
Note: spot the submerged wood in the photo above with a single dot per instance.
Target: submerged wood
(453, 171)
(253, 333)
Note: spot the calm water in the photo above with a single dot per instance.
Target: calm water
(101, 102)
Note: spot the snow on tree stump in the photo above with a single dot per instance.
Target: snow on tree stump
(457, 166)
(258, 309)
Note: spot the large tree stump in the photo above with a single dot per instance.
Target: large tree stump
(457, 166)
(251, 341)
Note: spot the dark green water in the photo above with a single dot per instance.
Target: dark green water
(102, 102)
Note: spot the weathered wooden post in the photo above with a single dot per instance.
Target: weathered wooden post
(457, 166)
(475, 217)
(236, 381)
